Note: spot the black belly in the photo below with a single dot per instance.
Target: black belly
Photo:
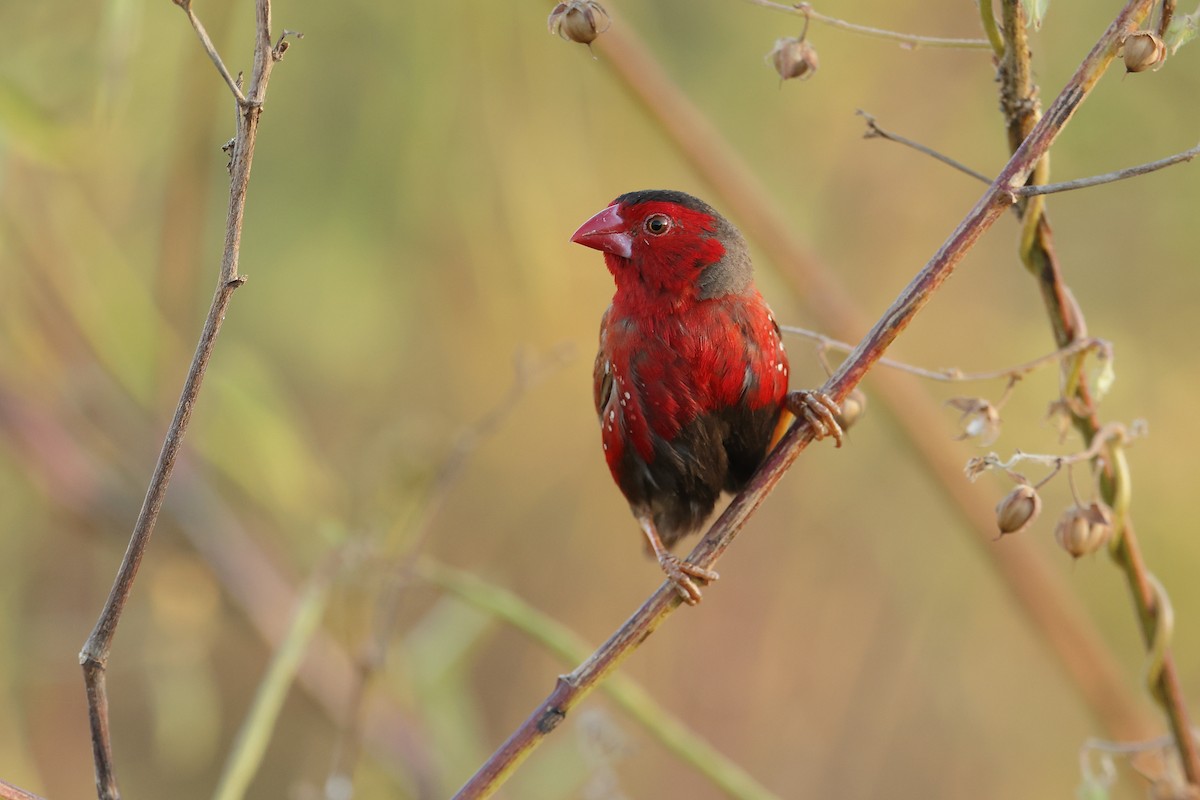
(713, 453)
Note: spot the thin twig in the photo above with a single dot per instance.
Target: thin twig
(955, 375)
(1129, 748)
(910, 40)
(94, 656)
(573, 687)
(1109, 177)
(874, 131)
(209, 48)
(1106, 436)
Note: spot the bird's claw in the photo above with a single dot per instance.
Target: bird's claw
(681, 573)
(820, 412)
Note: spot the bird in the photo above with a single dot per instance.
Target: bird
(691, 379)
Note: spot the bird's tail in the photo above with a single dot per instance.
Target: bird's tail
(786, 418)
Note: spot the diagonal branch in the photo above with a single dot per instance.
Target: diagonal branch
(94, 656)
(1051, 609)
(10, 792)
(571, 688)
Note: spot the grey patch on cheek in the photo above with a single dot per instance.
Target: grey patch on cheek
(733, 273)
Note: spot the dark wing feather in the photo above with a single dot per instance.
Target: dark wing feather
(602, 378)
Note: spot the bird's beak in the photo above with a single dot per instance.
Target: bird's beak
(606, 231)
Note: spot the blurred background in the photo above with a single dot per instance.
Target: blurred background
(418, 172)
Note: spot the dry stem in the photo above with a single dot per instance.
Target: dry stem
(571, 688)
(1019, 104)
(910, 40)
(94, 656)
(1052, 609)
(956, 375)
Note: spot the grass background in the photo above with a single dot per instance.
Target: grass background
(419, 170)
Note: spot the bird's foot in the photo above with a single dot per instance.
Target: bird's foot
(820, 412)
(684, 574)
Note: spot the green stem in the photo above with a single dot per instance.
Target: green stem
(988, 18)
(629, 695)
(251, 744)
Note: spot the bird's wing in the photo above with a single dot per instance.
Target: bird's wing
(602, 375)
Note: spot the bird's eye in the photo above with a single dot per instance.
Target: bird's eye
(658, 224)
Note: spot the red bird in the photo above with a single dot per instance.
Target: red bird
(691, 381)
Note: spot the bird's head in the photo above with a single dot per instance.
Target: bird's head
(662, 244)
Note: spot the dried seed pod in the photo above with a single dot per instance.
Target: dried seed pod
(1018, 509)
(1143, 50)
(576, 21)
(793, 57)
(853, 408)
(1081, 531)
(979, 419)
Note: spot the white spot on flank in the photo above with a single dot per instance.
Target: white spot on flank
(779, 367)
(612, 415)
(627, 395)
(606, 446)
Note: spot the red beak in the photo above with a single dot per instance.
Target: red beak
(606, 231)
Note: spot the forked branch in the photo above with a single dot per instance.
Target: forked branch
(94, 656)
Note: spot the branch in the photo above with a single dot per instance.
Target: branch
(10, 792)
(1051, 608)
(1110, 177)
(955, 375)
(1113, 432)
(94, 656)
(874, 131)
(206, 42)
(573, 687)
